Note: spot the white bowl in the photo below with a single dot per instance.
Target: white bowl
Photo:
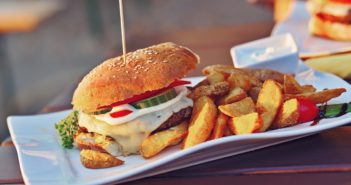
(277, 52)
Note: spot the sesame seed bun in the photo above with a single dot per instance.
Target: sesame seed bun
(146, 69)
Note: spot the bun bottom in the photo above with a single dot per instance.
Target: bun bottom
(328, 29)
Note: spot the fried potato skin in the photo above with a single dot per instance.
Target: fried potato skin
(288, 114)
(239, 80)
(217, 89)
(157, 142)
(246, 124)
(318, 97)
(291, 86)
(215, 77)
(266, 74)
(234, 95)
(244, 106)
(268, 103)
(96, 160)
(220, 126)
(201, 123)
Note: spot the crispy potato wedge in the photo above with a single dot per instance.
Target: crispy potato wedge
(239, 80)
(266, 74)
(215, 77)
(157, 142)
(234, 95)
(288, 114)
(244, 106)
(268, 103)
(245, 124)
(202, 122)
(95, 160)
(217, 89)
(308, 88)
(318, 97)
(202, 83)
(224, 69)
(227, 131)
(220, 126)
(253, 93)
(227, 70)
(291, 86)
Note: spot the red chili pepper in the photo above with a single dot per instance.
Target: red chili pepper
(308, 110)
(120, 113)
(146, 95)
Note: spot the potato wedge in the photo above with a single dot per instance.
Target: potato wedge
(224, 69)
(95, 160)
(253, 93)
(220, 126)
(268, 103)
(288, 114)
(239, 80)
(318, 97)
(201, 123)
(217, 89)
(308, 88)
(245, 124)
(266, 74)
(227, 131)
(244, 106)
(234, 95)
(215, 77)
(202, 83)
(291, 86)
(227, 70)
(157, 142)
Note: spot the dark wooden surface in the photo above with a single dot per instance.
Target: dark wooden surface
(319, 159)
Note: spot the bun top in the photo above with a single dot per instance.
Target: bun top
(146, 69)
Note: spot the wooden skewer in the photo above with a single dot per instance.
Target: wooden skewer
(121, 14)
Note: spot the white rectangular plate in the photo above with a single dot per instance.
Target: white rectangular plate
(43, 161)
(309, 45)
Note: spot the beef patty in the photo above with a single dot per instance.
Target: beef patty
(175, 119)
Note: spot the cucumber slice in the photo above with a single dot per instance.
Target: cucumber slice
(103, 111)
(155, 100)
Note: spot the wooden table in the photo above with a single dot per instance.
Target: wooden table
(319, 159)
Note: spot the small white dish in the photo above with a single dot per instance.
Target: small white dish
(43, 161)
(277, 52)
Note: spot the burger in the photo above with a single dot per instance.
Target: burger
(121, 102)
(330, 19)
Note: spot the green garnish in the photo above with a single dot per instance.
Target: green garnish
(66, 128)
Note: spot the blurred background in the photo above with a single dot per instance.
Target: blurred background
(47, 45)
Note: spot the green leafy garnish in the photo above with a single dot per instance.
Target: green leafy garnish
(66, 128)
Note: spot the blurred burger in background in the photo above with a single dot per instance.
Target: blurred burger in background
(330, 19)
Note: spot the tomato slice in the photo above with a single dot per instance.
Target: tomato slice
(308, 110)
(120, 113)
(147, 94)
